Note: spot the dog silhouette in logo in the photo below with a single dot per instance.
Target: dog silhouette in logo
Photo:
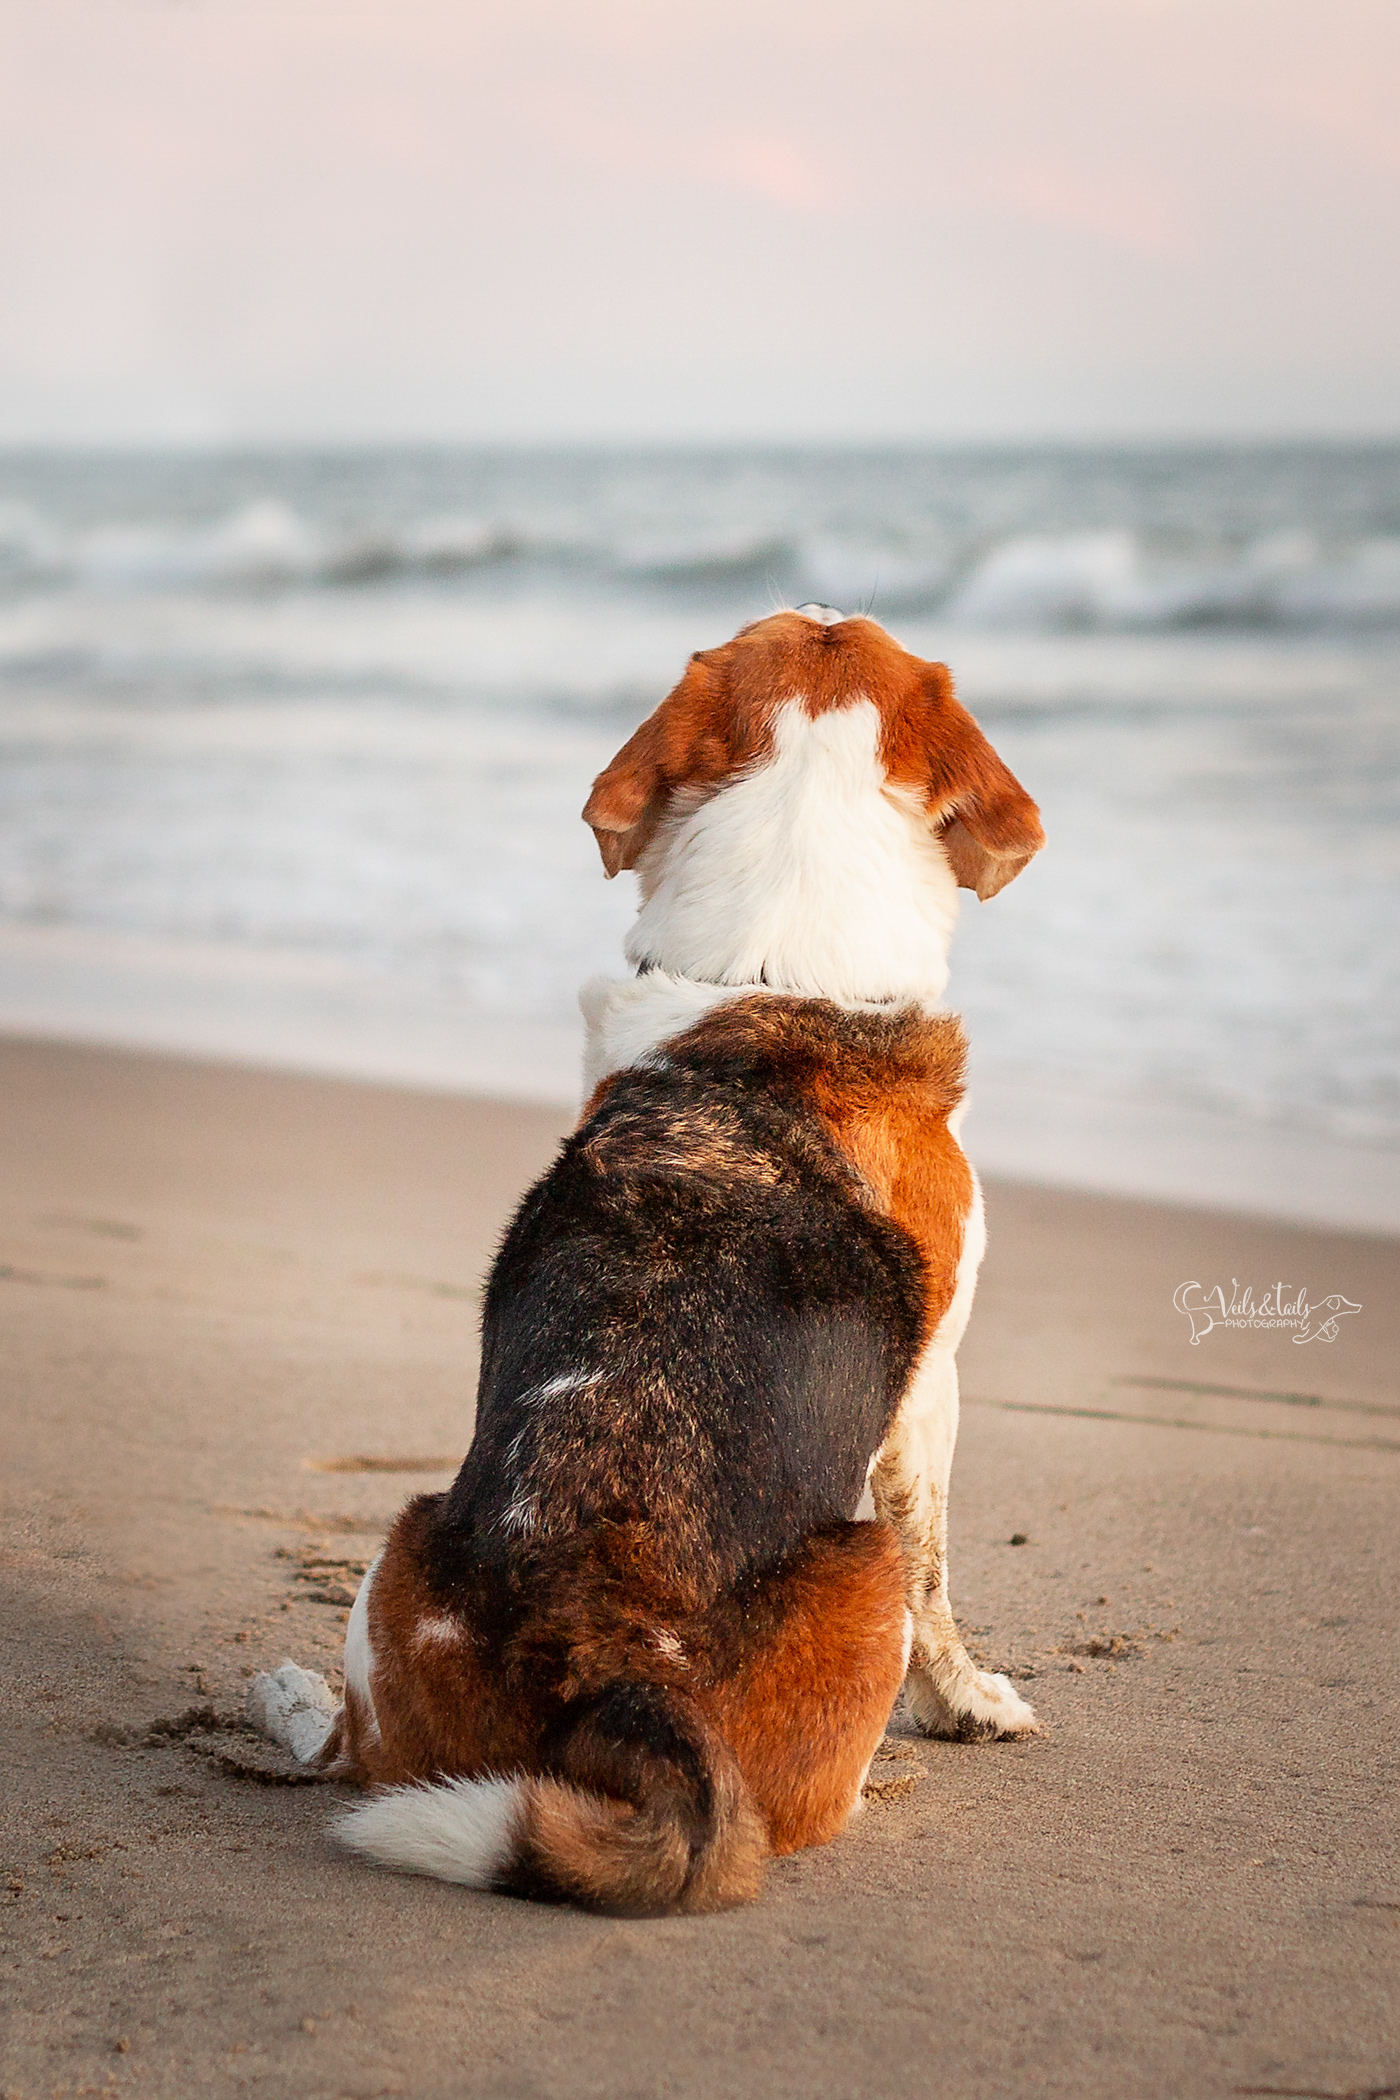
(1326, 1331)
(1200, 1315)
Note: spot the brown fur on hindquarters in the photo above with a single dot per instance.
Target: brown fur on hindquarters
(794, 1682)
(796, 1677)
(808, 1707)
(440, 1706)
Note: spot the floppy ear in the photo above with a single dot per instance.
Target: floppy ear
(629, 798)
(989, 826)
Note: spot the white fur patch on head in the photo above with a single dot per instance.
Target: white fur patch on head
(825, 615)
(809, 874)
(462, 1830)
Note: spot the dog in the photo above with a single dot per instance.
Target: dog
(651, 1635)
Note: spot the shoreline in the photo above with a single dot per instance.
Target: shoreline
(291, 1013)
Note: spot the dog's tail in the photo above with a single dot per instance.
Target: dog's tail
(644, 1811)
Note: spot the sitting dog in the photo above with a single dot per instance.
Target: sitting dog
(645, 1640)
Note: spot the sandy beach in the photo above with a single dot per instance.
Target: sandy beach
(238, 1313)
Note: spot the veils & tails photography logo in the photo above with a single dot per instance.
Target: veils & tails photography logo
(1282, 1305)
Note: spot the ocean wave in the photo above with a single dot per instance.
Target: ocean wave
(721, 558)
(1101, 580)
(261, 546)
(1044, 582)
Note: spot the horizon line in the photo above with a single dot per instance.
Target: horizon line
(1122, 440)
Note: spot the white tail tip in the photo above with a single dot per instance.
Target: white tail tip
(463, 1830)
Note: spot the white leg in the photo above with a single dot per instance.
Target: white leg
(359, 1655)
(947, 1694)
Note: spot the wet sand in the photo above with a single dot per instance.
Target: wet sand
(223, 1291)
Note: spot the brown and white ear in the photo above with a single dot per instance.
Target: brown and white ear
(979, 866)
(988, 825)
(630, 796)
(627, 800)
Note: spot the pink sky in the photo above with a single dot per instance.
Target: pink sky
(540, 219)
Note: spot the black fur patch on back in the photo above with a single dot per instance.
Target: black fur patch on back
(697, 1324)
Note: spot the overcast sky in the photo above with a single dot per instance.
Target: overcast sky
(750, 218)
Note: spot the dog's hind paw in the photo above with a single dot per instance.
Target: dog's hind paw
(968, 1705)
(295, 1707)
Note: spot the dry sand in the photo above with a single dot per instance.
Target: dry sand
(217, 1286)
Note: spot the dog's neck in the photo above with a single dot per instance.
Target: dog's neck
(626, 1019)
(807, 876)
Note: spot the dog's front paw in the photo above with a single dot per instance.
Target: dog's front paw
(963, 1704)
(295, 1707)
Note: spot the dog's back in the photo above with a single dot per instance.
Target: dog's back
(699, 1321)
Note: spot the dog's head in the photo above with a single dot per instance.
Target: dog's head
(719, 727)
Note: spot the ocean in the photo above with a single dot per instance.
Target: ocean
(293, 746)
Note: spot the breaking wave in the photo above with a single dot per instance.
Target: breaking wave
(1087, 580)
(1048, 582)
